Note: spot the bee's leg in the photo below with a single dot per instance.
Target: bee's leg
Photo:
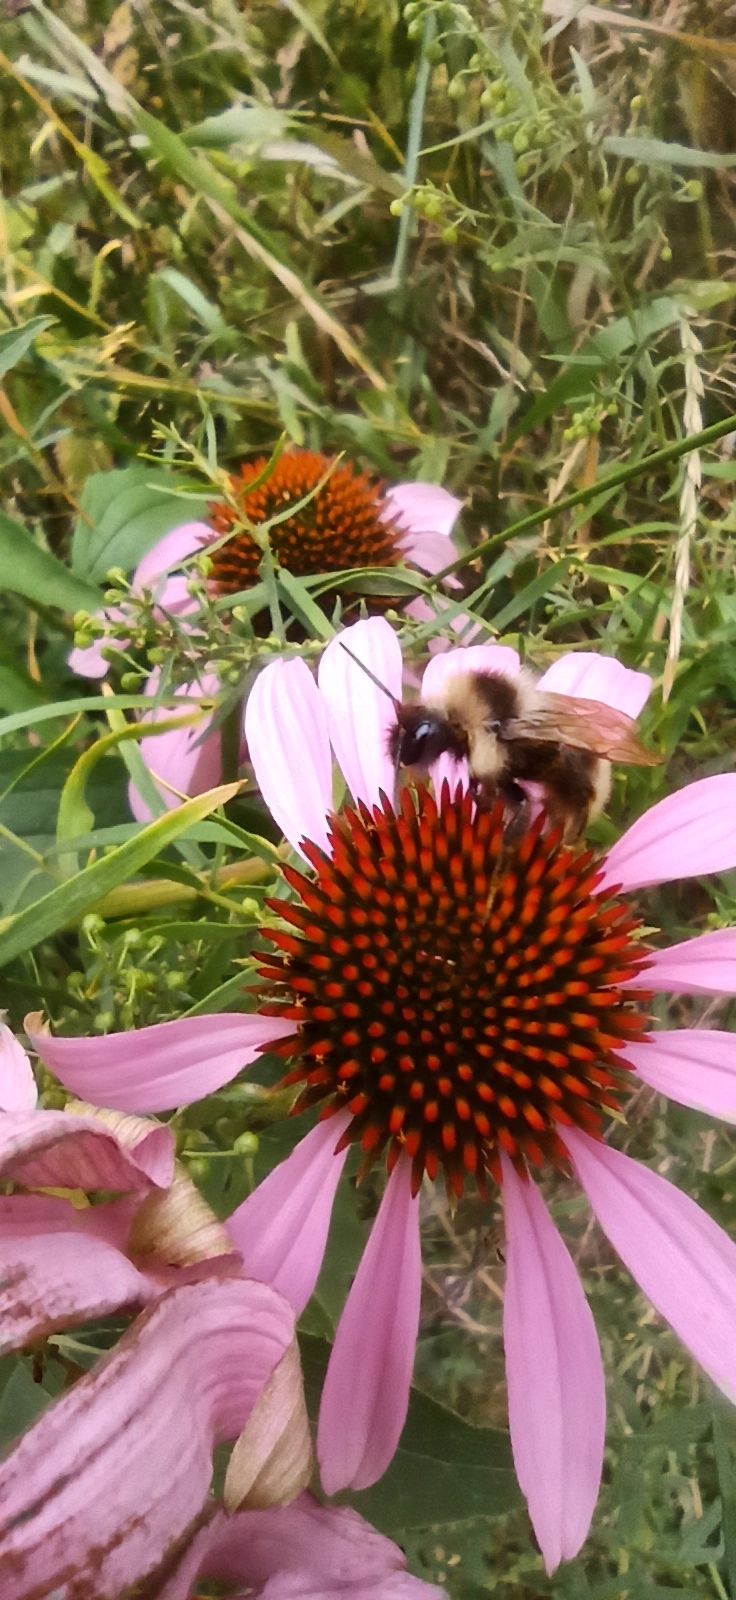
(518, 809)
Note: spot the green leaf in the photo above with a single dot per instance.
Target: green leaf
(249, 125)
(17, 691)
(71, 708)
(28, 570)
(15, 343)
(663, 153)
(126, 512)
(72, 899)
(445, 1469)
(203, 309)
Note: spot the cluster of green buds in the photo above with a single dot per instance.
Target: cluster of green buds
(438, 206)
(588, 422)
(449, 15)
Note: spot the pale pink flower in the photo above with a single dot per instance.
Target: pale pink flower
(356, 522)
(462, 1021)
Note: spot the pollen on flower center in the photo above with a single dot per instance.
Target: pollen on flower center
(458, 991)
(341, 526)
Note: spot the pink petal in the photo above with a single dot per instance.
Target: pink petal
(423, 508)
(57, 1150)
(304, 1550)
(686, 835)
(153, 1069)
(428, 551)
(90, 662)
(60, 1267)
(467, 658)
(706, 965)
(281, 1229)
(366, 1389)
(596, 677)
(18, 1090)
(359, 714)
(190, 759)
(682, 1261)
(557, 1400)
(695, 1066)
(169, 552)
(288, 742)
(97, 1493)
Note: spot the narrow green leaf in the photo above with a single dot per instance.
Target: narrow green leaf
(663, 153)
(532, 592)
(72, 708)
(28, 570)
(72, 899)
(15, 343)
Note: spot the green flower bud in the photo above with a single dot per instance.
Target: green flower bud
(396, 207)
(456, 88)
(130, 682)
(118, 576)
(449, 235)
(81, 619)
(103, 1021)
(521, 142)
(246, 1144)
(175, 980)
(693, 189)
(157, 655)
(666, 253)
(605, 194)
(633, 176)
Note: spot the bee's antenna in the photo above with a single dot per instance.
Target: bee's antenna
(392, 697)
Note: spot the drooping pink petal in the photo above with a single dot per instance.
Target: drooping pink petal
(366, 1389)
(289, 746)
(686, 835)
(167, 553)
(423, 508)
(467, 658)
(97, 1493)
(684, 1263)
(430, 552)
(695, 1066)
(281, 1229)
(305, 1551)
(557, 1400)
(596, 677)
(190, 759)
(18, 1090)
(60, 1267)
(359, 714)
(705, 965)
(153, 1069)
(54, 1150)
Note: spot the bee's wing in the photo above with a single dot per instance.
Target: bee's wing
(584, 725)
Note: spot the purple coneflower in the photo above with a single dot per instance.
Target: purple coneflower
(463, 1004)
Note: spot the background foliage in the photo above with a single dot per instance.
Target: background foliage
(482, 245)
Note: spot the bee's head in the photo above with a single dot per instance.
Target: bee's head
(420, 735)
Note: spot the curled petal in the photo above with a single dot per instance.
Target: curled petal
(189, 759)
(97, 1493)
(167, 553)
(18, 1090)
(686, 835)
(366, 1389)
(60, 1267)
(468, 658)
(153, 1069)
(706, 965)
(281, 1229)
(557, 1400)
(305, 1551)
(682, 1261)
(423, 508)
(289, 746)
(272, 1460)
(695, 1066)
(596, 677)
(359, 714)
(51, 1149)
